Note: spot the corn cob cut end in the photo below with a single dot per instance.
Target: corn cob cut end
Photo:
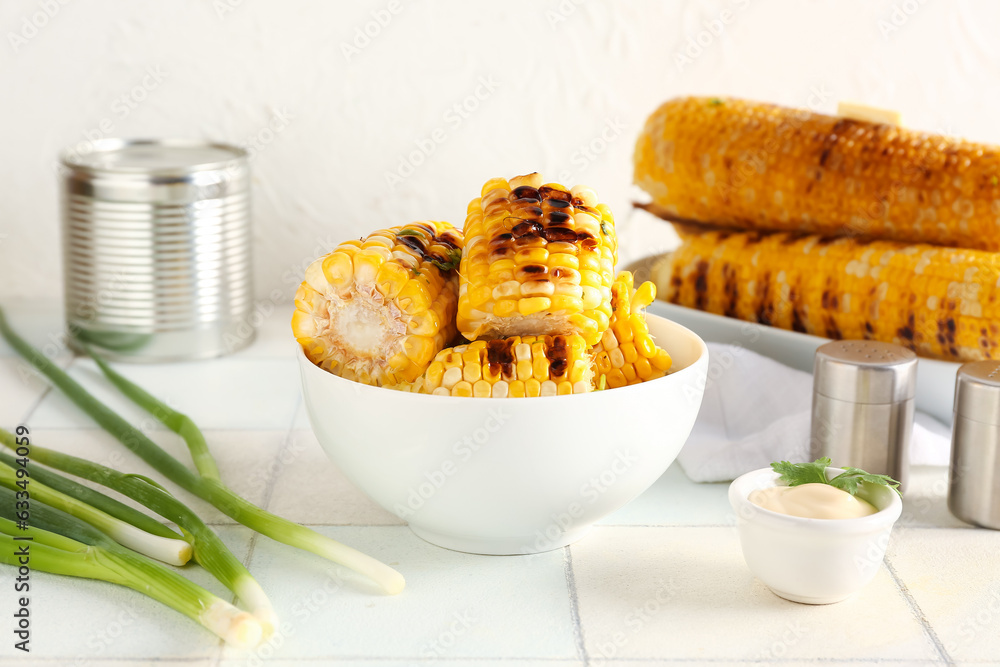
(539, 260)
(516, 367)
(377, 310)
(627, 353)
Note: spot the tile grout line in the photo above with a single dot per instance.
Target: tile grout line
(918, 613)
(265, 501)
(574, 606)
(48, 386)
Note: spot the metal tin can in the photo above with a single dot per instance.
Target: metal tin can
(974, 477)
(863, 401)
(156, 241)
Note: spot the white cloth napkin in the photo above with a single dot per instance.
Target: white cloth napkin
(757, 410)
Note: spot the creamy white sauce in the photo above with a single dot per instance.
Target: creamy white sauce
(812, 501)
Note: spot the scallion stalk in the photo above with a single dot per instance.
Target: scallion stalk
(87, 495)
(174, 551)
(207, 488)
(62, 544)
(209, 551)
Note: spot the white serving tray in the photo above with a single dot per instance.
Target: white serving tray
(935, 379)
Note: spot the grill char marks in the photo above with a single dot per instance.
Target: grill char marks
(556, 353)
(539, 216)
(422, 244)
(500, 357)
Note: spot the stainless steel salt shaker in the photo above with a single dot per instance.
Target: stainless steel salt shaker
(974, 479)
(862, 412)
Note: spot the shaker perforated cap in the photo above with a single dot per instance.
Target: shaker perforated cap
(865, 371)
(977, 391)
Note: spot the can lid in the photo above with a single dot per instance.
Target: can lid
(159, 157)
(865, 371)
(977, 391)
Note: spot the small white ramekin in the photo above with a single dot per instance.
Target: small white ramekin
(813, 561)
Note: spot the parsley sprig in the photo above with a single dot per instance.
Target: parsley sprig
(794, 474)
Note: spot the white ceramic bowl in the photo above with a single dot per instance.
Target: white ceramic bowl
(513, 475)
(814, 561)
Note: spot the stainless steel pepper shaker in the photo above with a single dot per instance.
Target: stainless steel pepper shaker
(974, 478)
(863, 401)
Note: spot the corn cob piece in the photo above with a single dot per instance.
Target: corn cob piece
(539, 260)
(378, 310)
(513, 367)
(627, 353)
(939, 302)
(750, 165)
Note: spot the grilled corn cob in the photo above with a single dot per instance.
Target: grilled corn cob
(539, 260)
(378, 310)
(939, 302)
(510, 367)
(758, 166)
(627, 353)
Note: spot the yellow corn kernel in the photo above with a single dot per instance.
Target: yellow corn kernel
(616, 378)
(505, 308)
(462, 389)
(643, 368)
(603, 362)
(532, 388)
(532, 305)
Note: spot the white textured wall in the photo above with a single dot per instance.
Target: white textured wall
(560, 74)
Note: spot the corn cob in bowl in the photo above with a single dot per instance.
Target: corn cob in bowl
(378, 310)
(515, 367)
(539, 260)
(940, 302)
(750, 165)
(626, 353)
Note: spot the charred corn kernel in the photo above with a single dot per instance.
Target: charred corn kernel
(516, 367)
(377, 310)
(548, 243)
(626, 353)
(939, 302)
(759, 166)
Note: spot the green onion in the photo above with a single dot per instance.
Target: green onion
(85, 494)
(209, 551)
(62, 544)
(174, 551)
(207, 488)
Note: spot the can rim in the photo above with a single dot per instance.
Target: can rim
(71, 158)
